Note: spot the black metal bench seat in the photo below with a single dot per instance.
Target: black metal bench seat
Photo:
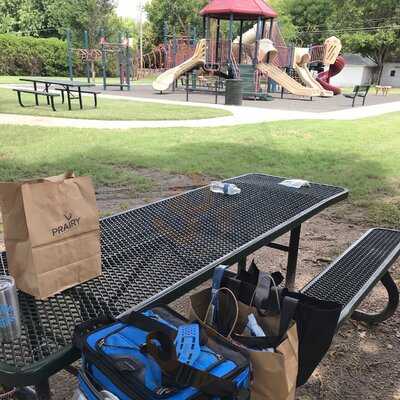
(358, 91)
(49, 96)
(350, 278)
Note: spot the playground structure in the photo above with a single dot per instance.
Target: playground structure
(91, 56)
(255, 56)
(174, 50)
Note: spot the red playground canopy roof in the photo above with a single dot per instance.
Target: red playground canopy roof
(241, 9)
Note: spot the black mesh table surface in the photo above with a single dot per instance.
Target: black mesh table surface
(152, 251)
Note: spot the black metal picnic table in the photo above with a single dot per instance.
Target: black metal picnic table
(67, 85)
(155, 254)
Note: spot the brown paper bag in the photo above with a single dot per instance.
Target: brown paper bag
(274, 374)
(51, 232)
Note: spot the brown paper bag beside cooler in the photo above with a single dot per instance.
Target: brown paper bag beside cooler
(51, 232)
(274, 374)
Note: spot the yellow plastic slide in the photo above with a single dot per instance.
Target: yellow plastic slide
(266, 47)
(279, 76)
(286, 81)
(165, 80)
(301, 59)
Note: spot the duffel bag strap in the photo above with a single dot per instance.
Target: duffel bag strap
(267, 286)
(149, 324)
(82, 329)
(185, 375)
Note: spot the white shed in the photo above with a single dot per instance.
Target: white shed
(358, 70)
(391, 74)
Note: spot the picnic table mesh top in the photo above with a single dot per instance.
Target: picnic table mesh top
(149, 249)
(64, 82)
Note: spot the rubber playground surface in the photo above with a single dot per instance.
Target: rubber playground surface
(290, 102)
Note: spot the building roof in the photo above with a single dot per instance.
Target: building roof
(241, 9)
(358, 59)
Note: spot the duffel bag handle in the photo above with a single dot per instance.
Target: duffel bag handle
(264, 284)
(186, 375)
(149, 324)
(82, 329)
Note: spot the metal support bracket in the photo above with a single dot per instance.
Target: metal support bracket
(388, 311)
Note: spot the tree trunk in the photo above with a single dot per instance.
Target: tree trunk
(380, 62)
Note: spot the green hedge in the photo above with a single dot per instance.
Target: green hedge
(25, 55)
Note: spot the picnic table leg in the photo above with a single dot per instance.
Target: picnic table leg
(292, 257)
(43, 390)
(80, 97)
(68, 98)
(389, 310)
(46, 89)
(20, 99)
(242, 264)
(52, 104)
(36, 96)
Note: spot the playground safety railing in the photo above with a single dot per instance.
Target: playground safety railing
(317, 53)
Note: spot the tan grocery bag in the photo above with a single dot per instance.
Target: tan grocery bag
(51, 232)
(274, 373)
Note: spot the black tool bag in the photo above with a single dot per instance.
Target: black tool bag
(316, 319)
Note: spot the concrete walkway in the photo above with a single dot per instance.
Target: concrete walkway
(241, 116)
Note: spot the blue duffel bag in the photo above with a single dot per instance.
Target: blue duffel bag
(157, 354)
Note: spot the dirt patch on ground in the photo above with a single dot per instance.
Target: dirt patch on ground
(363, 362)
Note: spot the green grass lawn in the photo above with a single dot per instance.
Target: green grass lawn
(107, 109)
(361, 155)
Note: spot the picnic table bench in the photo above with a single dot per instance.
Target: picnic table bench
(69, 86)
(358, 91)
(157, 253)
(382, 89)
(50, 97)
(353, 275)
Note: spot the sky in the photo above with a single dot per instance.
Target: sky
(129, 8)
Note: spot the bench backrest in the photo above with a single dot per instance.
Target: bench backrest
(361, 90)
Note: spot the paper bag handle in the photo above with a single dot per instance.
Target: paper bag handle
(59, 178)
(236, 305)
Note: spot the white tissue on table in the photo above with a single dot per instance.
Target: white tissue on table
(295, 183)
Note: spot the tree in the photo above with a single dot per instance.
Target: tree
(310, 19)
(370, 28)
(177, 13)
(46, 18)
(81, 15)
(288, 29)
(28, 17)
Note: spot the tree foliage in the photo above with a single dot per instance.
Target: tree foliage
(176, 13)
(310, 19)
(45, 18)
(370, 28)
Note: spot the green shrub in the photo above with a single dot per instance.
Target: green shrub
(25, 55)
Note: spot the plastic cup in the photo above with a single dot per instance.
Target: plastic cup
(10, 323)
